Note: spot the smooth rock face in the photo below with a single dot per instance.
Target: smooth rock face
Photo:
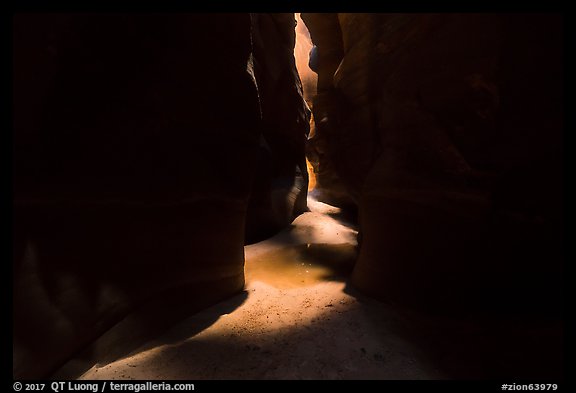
(280, 189)
(446, 130)
(137, 144)
(327, 38)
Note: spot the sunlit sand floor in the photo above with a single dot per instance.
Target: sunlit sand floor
(297, 319)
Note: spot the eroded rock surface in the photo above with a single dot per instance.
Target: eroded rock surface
(138, 144)
(446, 131)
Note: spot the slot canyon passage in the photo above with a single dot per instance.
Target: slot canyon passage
(288, 196)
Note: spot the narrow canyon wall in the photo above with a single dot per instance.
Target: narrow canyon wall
(140, 142)
(446, 131)
(280, 190)
(325, 57)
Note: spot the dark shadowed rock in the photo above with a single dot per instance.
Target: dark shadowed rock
(327, 106)
(446, 130)
(280, 190)
(137, 142)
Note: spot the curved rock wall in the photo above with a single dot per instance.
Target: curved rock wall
(138, 144)
(328, 52)
(446, 130)
(280, 190)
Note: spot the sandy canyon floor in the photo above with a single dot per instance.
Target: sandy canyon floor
(296, 319)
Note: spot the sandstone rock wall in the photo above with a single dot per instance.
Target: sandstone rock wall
(446, 131)
(280, 191)
(138, 154)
